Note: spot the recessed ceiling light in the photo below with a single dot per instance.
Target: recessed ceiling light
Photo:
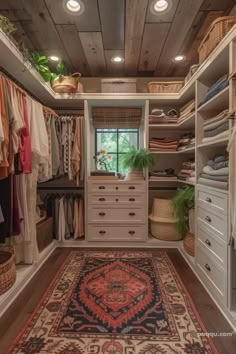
(54, 58)
(117, 59)
(74, 7)
(179, 58)
(160, 6)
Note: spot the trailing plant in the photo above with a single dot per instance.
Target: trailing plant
(182, 202)
(137, 159)
(7, 26)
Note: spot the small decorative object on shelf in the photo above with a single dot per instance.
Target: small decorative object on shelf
(103, 160)
(137, 161)
(7, 268)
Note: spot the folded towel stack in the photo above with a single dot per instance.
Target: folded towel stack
(216, 173)
(158, 175)
(186, 141)
(217, 126)
(222, 83)
(162, 144)
(187, 172)
(158, 116)
(186, 111)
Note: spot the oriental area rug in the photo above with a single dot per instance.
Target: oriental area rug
(114, 302)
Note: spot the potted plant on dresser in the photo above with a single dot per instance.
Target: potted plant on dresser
(183, 207)
(136, 161)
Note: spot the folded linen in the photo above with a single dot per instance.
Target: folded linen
(217, 118)
(218, 165)
(225, 133)
(220, 85)
(215, 124)
(215, 178)
(192, 179)
(220, 129)
(211, 183)
(220, 172)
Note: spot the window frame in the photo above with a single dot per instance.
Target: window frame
(117, 131)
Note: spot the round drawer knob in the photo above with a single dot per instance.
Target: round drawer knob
(102, 214)
(117, 200)
(102, 232)
(208, 268)
(117, 187)
(101, 199)
(208, 200)
(131, 232)
(207, 218)
(208, 243)
(132, 214)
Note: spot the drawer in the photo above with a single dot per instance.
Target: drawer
(118, 187)
(213, 201)
(216, 223)
(213, 244)
(216, 277)
(116, 200)
(108, 232)
(116, 215)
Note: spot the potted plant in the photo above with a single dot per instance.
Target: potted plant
(136, 161)
(59, 80)
(183, 206)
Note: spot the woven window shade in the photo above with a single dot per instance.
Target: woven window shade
(116, 117)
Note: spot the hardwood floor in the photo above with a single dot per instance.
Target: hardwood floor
(15, 317)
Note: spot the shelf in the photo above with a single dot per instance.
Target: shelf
(219, 190)
(218, 102)
(164, 180)
(188, 123)
(187, 182)
(218, 142)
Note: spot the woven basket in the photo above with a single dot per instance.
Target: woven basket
(7, 268)
(218, 29)
(188, 243)
(165, 86)
(66, 84)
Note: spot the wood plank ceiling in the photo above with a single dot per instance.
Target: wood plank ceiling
(87, 42)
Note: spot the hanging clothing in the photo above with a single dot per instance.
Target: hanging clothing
(232, 186)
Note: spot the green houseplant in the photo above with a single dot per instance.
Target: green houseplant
(136, 161)
(183, 203)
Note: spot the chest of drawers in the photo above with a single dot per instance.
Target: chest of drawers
(212, 240)
(117, 211)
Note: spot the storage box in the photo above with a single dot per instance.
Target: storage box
(217, 31)
(118, 85)
(165, 86)
(44, 231)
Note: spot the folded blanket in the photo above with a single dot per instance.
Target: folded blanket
(215, 184)
(220, 85)
(225, 133)
(220, 129)
(215, 178)
(218, 165)
(217, 118)
(215, 124)
(220, 172)
(192, 179)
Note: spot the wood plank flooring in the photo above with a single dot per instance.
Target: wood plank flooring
(15, 317)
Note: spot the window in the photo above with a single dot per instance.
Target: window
(116, 142)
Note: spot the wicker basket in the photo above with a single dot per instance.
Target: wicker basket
(118, 85)
(218, 29)
(7, 268)
(189, 244)
(66, 84)
(165, 86)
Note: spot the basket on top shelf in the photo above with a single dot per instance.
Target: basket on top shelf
(165, 86)
(217, 31)
(7, 268)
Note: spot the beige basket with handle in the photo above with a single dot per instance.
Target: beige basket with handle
(66, 84)
(7, 268)
(165, 86)
(217, 31)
